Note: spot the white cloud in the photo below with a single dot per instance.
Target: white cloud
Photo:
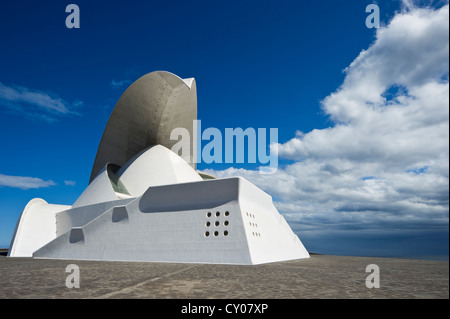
(411, 51)
(384, 163)
(35, 103)
(116, 84)
(69, 183)
(24, 182)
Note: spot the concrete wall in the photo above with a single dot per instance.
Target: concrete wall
(227, 221)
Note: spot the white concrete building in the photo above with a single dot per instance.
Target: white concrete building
(146, 203)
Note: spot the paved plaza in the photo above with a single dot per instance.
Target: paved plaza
(321, 276)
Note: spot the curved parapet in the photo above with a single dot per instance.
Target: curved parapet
(35, 228)
(145, 115)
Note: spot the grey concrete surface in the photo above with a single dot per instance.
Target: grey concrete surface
(145, 115)
(321, 276)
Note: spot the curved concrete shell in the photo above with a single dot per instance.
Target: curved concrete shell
(155, 167)
(35, 228)
(103, 188)
(145, 115)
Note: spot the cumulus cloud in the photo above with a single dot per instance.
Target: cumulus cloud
(23, 182)
(383, 164)
(35, 103)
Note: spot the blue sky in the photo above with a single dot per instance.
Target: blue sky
(362, 114)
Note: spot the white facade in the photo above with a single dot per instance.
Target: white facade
(35, 228)
(154, 167)
(157, 207)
